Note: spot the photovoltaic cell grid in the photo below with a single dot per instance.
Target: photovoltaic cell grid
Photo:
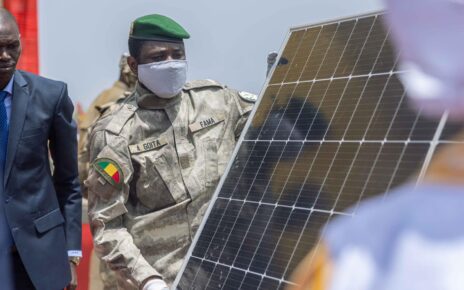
(332, 127)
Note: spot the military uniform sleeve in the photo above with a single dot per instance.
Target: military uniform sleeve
(108, 184)
(83, 160)
(244, 103)
(84, 144)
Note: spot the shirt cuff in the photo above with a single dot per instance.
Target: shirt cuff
(155, 284)
(75, 253)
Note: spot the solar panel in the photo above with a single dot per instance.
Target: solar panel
(332, 127)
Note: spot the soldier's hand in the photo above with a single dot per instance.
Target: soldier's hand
(73, 284)
(155, 284)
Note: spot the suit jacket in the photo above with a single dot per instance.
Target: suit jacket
(43, 208)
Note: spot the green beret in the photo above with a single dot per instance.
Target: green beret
(157, 27)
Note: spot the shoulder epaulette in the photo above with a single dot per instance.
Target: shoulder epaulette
(120, 119)
(198, 84)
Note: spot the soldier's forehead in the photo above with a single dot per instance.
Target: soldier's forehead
(163, 45)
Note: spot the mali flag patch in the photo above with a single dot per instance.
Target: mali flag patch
(110, 171)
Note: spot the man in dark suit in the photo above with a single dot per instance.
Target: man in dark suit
(40, 210)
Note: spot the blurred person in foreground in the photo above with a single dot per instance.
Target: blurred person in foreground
(40, 210)
(414, 239)
(157, 159)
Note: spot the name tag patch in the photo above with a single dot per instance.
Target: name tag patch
(205, 123)
(147, 145)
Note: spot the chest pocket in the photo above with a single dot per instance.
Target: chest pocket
(159, 182)
(32, 151)
(204, 175)
(211, 161)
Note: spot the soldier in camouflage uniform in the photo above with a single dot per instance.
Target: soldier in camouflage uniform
(156, 160)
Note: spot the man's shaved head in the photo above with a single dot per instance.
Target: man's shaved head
(10, 46)
(8, 22)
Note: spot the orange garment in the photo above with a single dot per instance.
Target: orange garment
(314, 271)
(447, 166)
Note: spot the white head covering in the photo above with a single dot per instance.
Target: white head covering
(430, 37)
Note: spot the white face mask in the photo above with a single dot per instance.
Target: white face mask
(165, 78)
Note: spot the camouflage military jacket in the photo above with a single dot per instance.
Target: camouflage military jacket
(156, 163)
(102, 103)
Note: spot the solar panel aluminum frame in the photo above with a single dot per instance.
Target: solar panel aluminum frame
(434, 141)
(331, 21)
(242, 136)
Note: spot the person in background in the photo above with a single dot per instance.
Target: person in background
(157, 159)
(40, 210)
(414, 238)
